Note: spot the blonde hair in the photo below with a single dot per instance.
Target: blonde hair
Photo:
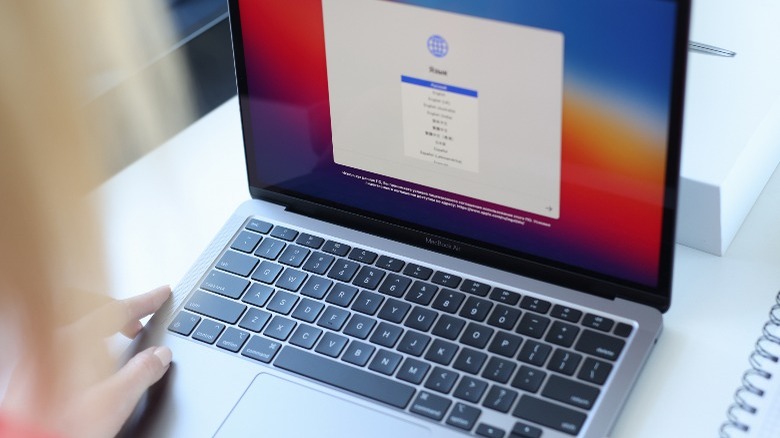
(55, 143)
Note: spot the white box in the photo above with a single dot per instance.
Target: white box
(731, 137)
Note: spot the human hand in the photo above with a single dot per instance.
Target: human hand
(93, 399)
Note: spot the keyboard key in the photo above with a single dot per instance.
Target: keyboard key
(463, 416)
(224, 284)
(309, 241)
(233, 339)
(533, 325)
(331, 344)
(395, 285)
(534, 353)
(594, 371)
(598, 322)
(267, 272)
(523, 430)
(413, 343)
(564, 362)
(390, 264)
(470, 389)
(293, 255)
(358, 353)
(362, 256)
(476, 309)
(236, 263)
(208, 331)
(570, 392)
(600, 345)
(261, 349)
(476, 335)
(254, 320)
(308, 310)
(421, 318)
(343, 270)
(336, 248)
(282, 302)
(305, 336)
(316, 287)
(549, 414)
(475, 288)
(345, 377)
(319, 263)
(421, 293)
(394, 310)
(441, 352)
(368, 277)
(341, 294)
(359, 326)
(215, 307)
(535, 304)
(562, 334)
(367, 302)
(504, 296)
(448, 327)
(566, 313)
(430, 405)
(279, 328)
(291, 279)
(498, 370)
(446, 280)
(470, 360)
(284, 233)
(505, 344)
(269, 248)
(489, 431)
(333, 318)
(441, 380)
(259, 226)
(258, 294)
(386, 335)
(184, 323)
(448, 300)
(418, 272)
(413, 370)
(623, 330)
(385, 362)
(528, 379)
(504, 317)
(500, 398)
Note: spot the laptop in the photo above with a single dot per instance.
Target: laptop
(461, 222)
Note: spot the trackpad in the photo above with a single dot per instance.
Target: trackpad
(273, 406)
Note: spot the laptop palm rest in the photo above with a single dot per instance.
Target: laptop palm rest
(270, 402)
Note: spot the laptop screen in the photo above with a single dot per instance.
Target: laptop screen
(544, 131)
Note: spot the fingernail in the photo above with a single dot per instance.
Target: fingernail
(166, 289)
(164, 354)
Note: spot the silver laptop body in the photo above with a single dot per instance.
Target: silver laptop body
(392, 276)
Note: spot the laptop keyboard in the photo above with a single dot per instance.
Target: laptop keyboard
(440, 346)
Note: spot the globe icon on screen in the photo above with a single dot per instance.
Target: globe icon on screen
(438, 46)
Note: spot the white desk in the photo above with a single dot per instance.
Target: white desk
(162, 211)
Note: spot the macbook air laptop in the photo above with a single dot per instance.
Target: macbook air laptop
(462, 222)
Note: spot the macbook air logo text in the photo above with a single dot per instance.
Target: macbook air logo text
(438, 46)
(442, 244)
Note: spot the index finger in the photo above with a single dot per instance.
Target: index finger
(143, 305)
(118, 314)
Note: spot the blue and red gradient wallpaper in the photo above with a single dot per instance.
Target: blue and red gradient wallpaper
(617, 86)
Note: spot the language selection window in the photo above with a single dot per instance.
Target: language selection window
(462, 104)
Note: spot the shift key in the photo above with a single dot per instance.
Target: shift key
(215, 307)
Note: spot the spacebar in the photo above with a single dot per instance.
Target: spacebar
(344, 376)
